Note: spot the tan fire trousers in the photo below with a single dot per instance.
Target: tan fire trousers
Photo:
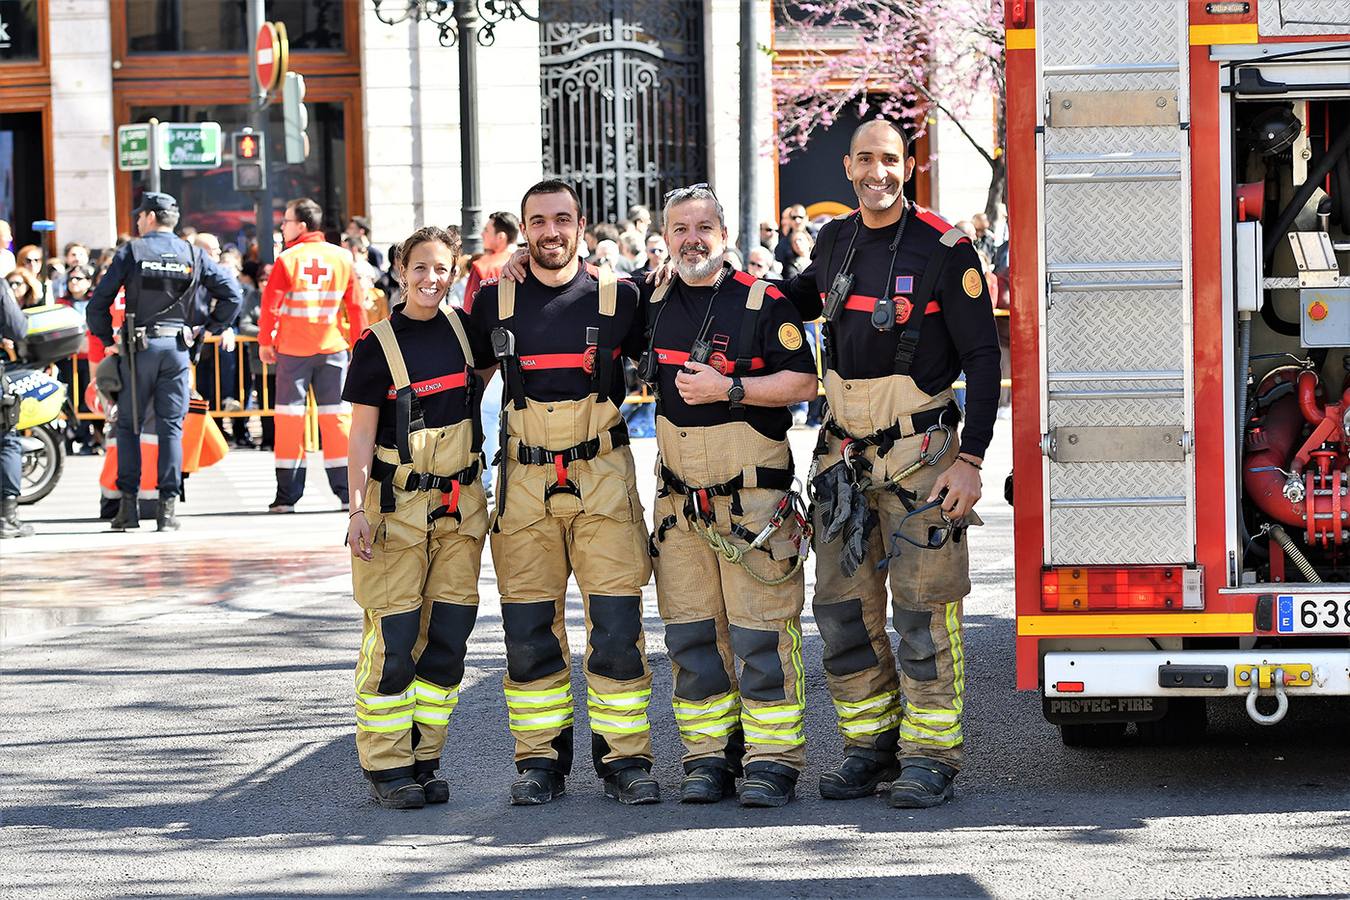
(599, 533)
(919, 710)
(717, 613)
(419, 594)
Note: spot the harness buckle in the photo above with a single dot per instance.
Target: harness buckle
(703, 504)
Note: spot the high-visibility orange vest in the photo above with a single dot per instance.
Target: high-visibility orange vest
(311, 282)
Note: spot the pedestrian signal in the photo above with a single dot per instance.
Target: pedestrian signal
(250, 166)
(295, 118)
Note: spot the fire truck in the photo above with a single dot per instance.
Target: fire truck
(1179, 204)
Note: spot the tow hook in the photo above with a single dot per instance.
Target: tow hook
(1271, 677)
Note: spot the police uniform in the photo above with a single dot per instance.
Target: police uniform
(13, 327)
(725, 478)
(428, 516)
(918, 313)
(567, 502)
(160, 273)
(310, 286)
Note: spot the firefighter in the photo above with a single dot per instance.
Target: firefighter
(906, 310)
(160, 273)
(300, 333)
(727, 356)
(567, 501)
(416, 533)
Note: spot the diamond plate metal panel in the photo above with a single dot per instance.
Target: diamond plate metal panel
(1081, 32)
(1281, 17)
(1119, 535)
(1104, 222)
(1163, 411)
(1111, 140)
(1114, 330)
(1117, 479)
(1130, 81)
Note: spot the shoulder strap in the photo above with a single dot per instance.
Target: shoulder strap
(506, 299)
(909, 338)
(407, 409)
(460, 336)
(609, 291)
(602, 370)
(829, 233)
(745, 340)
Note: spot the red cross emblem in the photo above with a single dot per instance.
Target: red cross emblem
(314, 271)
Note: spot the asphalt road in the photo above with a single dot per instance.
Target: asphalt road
(177, 721)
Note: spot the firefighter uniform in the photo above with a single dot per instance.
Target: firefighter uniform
(428, 516)
(567, 502)
(917, 314)
(310, 284)
(728, 543)
(161, 274)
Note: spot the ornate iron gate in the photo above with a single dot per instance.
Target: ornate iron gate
(621, 85)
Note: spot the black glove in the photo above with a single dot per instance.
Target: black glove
(834, 494)
(860, 526)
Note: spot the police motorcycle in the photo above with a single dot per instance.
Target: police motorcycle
(32, 399)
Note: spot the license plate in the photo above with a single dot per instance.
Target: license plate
(1318, 614)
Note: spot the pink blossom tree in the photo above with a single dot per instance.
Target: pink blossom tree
(900, 59)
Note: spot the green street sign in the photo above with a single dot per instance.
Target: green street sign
(133, 148)
(188, 145)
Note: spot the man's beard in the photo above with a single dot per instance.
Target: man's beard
(698, 271)
(558, 257)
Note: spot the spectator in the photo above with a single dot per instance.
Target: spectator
(30, 258)
(793, 220)
(248, 358)
(187, 233)
(26, 288)
(641, 217)
(632, 255)
(768, 235)
(799, 258)
(208, 243)
(656, 256)
(54, 276)
(760, 263)
(499, 240)
(607, 254)
(7, 261)
(359, 226)
(984, 237)
(75, 373)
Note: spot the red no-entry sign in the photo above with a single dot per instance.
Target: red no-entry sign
(270, 56)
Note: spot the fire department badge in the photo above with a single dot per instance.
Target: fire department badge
(588, 360)
(790, 336)
(972, 282)
(903, 307)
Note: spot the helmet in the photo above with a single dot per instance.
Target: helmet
(108, 377)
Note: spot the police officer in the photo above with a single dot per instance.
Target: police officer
(13, 327)
(567, 501)
(727, 357)
(906, 310)
(161, 274)
(416, 534)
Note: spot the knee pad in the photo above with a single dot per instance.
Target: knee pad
(448, 631)
(918, 655)
(398, 634)
(693, 647)
(532, 649)
(848, 646)
(616, 628)
(762, 671)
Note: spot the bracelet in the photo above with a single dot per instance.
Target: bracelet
(970, 462)
(363, 512)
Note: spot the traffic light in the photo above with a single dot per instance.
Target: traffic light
(250, 166)
(295, 118)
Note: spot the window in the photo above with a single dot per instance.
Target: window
(221, 26)
(19, 34)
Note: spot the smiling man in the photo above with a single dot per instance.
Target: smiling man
(906, 310)
(567, 502)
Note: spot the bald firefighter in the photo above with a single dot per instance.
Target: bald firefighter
(301, 332)
(416, 534)
(567, 503)
(727, 356)
(906, 310)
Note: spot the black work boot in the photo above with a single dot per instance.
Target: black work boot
(922, 783)
(633, 786)
(164, 517)
(707, 784)
(128, 514)
(857, 776)
(437, 789)
(537, 786)
(10, 524)
(398, 793)
(767, 784)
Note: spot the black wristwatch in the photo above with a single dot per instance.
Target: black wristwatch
(736, 393)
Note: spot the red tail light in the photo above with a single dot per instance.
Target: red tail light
(1111, 587)
(1017, 10)
(1068, 687)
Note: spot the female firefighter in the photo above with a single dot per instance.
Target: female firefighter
(418, 522)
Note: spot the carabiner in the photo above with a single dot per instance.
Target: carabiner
(927, 439)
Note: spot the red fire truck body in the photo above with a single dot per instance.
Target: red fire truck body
(1179, 205)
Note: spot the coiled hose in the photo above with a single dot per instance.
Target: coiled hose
(1291, 550)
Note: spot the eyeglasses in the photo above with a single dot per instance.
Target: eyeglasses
(701, 186)
(796, 218)
(32, 259)
(16, 285)
(78, 278)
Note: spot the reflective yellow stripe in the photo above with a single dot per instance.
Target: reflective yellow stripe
(528, 699)
(403, 723)
(1020, 39)
(949, 738)
(383, 701)
(846, 707)
(869, 726)
(958, 645)
(364, 661)
(1141, 624)
(686, 710)
(613, 698)
(1238, 33)
(537, 723)
(619, 726)
(427, 717)
(771, 714)
(427, 691)
(712, 729)
(636, 700)
(795, 630)
(784, 738)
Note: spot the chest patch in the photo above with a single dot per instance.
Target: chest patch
(904, 284)
(972, 282)
(790, 336)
